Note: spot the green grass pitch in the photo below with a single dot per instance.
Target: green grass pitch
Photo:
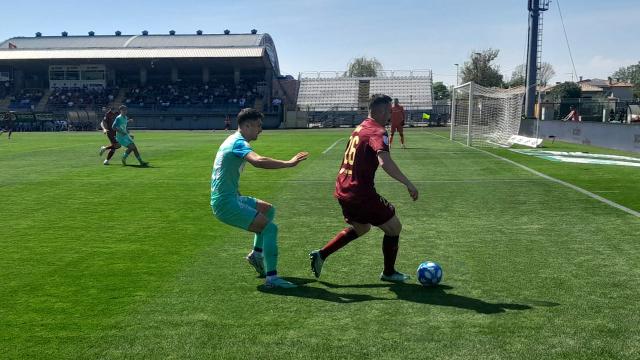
(113, 262)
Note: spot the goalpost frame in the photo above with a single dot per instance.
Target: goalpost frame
(492, 115)
(470, 115)
(453, 110)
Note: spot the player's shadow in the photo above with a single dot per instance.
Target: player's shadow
(316, 293)
(439, 296)
(141, 167)
(406, 292)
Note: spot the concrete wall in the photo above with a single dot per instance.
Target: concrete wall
(609, 135)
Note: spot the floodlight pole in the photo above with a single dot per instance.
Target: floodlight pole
(535, 8)
(457, 76)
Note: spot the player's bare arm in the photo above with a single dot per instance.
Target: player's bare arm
(264, 162)
(391, 168)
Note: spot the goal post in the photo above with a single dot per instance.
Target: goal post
(482, 116)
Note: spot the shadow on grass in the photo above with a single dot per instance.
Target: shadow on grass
(140, 166)
(404, 292)
(316, 293)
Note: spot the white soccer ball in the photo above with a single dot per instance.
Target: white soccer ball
(429, 273)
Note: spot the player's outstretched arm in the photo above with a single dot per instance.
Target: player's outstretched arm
(391, 168)
(264, 162)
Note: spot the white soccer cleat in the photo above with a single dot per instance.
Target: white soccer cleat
(257, 261)
(105, 162)
(102, 150)
(278, 282)
(396, 277)
(316, 262)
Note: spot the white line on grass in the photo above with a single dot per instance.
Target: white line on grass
(332, 145)
(327, 181)
(545, 176)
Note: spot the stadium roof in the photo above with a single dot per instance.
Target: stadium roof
(139, 46)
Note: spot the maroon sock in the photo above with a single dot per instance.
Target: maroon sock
(343, 238)
(390, 252)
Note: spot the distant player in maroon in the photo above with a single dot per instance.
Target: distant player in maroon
(9, 119)
(227, 123)
(397, 121)
(361, 205)
(107, 129)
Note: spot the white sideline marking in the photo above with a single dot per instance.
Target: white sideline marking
(571, 186)
(327, 181)
(332, 145)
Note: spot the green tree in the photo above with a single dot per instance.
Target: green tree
(440, 91)
(630, 74)
(363, 67)
(480, 69)
(565, 94)
(518, 76)
(566, 90)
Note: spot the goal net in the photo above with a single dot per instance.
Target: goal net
(483, 116)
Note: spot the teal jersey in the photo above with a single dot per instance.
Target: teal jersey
(228, 165)
(120, 123)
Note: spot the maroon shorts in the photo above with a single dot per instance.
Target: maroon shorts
(396, 127)
(112, 137)
(374, 210)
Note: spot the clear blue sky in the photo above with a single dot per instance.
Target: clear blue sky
(318, 35)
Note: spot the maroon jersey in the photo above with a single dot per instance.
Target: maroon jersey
(355, 179)
(397, 116)
(109, 117)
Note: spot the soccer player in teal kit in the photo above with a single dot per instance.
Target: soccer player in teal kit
(246, 212)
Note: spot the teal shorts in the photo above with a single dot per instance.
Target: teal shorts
(124, 140)
(238, 211)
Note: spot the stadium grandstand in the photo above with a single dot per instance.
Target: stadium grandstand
(170, 81)
(330, 99)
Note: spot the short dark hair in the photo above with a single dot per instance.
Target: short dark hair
(377, 100)
(249, 114)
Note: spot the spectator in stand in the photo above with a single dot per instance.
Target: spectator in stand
(276, 102)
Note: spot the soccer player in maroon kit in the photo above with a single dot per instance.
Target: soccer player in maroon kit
(361, 205)
(9, 118)
(107, 128)
(397, 121)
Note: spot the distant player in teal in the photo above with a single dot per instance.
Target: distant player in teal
(124, 138)
(246, 212)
